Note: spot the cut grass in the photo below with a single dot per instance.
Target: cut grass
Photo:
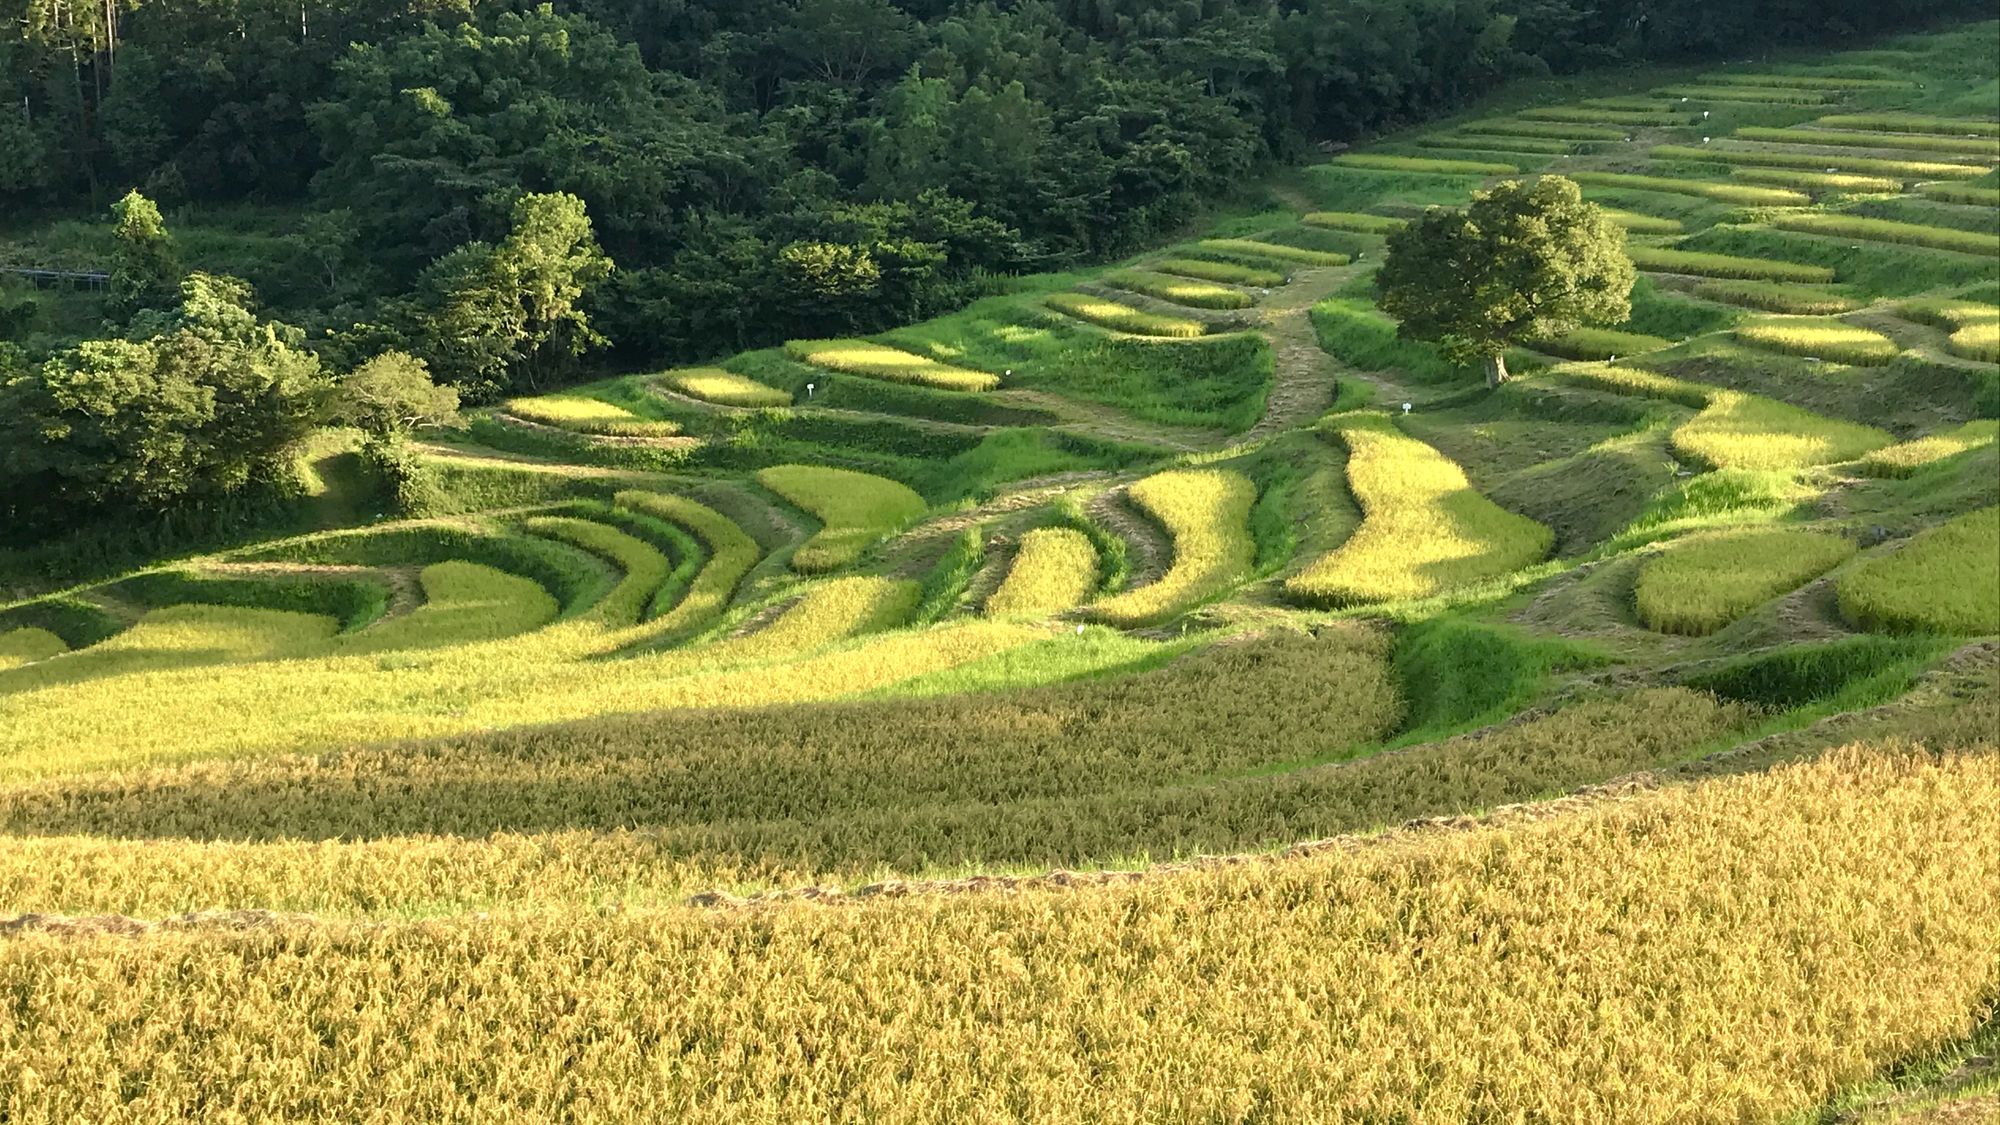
(1841, 138)
(1819, 338)
(1124, 318)
(1354, 221)
(1905, 458)
(855, 509)
(1276, 251)
(1227, 272)
(1827, 162)
(1660, 259)
(1054, 571)
(1984, 243)
(587, 416)
(1178, 290)
(1823, 183)
(1941, 581)
(1424, 529)
(725, 388)
(1700, 584)
(879, 361)
(1206, 512)
(1912, 123)
(1777, 297)
(1384, 163)
(1600, 343)
(1744, 194)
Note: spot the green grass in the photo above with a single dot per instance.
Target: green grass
(1600, 343)
(1355, 221)
(1660, 259)
(1970, 194)
(1456, 673)
(1206, 513)
(1178, 290)
(1985, 243)
(1844, 675)
(1700, 584)
(1826, 162)
(1820, 183)
(1227, 272)
(1820, 338)
(1549, 129)
(725, 388)
(1055, 570)
(1875, 269)
(1905, 458)
(1475, 142)
(1804, 81)
(1355, 332)
(1663, 312)
(854, 509)
(1777, 297)
(1840, 138)
(1383, 163)
(1912, 123)
(879, 361)
(1745, 194)
(1276, 251)
(1941, 581)
(1124, 318)
(731, 554)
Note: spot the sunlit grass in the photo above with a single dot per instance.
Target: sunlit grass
(1941, 581)
(1701, 584)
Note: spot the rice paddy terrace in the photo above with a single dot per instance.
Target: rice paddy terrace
(1616, 745)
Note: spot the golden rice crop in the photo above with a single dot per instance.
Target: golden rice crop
(1948, 312)
(854, 510)
(1700, 584)
(1846, 138)
(1819, 337)
(1424, 529)
(1384, 163)
(879, 361)
(1806, 81)
(1799, 923)
(1977, 341)
(1646, 384)
(27, 645)
(731, 555)
(1053, 571)
(1985, 243)
(1707, 189)
(1477, 142)
(1600, 343)
(1206, 512)
(1179, 290)
(726, 388)
(1594, 115)
(1777, 297)
(1353, 221)
(181, 636)
(586, 416)
(643, 565)
(1912, 123)
(1221, 271)
(1741, 92)
(1904, 458)
(1555, 129)
(1276, 251)
(1941, 581)
(1745, 431)
(1123, 318)
(1660, 259)
(463, 603)
(1636, 223)
(1821, 182)
(1828, 162)
(1969, 194)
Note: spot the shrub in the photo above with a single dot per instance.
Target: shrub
(726, 388)
(1660, 259)
(1820, 338)
(1969, 194)
(1273, 250)
(1384, 163)
(1227, 272)
(1838, 138)
(1353, 221)
(1206, 513)
(1772, 296)
(1744, 194)
(1424, 530)
(1912, 123)
(1985, 243)
(1941, 581)
(1552, 129)
(879, 361)
(1701, 584)
(1744, 431)
(1829, 162)
(1821, 182)
(586, 416)
(1123, 318)
(1179, 291)
(1600, 343)
(1904, 458)
(1055, 570)
(1636, 223)
(854, 509)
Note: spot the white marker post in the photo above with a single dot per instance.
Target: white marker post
(809, 390)
(1406, 408)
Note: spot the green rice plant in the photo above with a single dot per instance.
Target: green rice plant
(1941, 581)
(1635, 223)
(1905, 458)
(1054, 571)
(1700, 584)
(1600, 343)
(26, 645)
(1777, 297)
(1820, 338)
(1124, 318)
(1805, 81)
(1353, 221)
(1820, 182)
(1745, 194)
(1588, 116)
(1737, 92)
(1206, 513)
(1841, 138)
(464, 603)
(854, 510)
(644, 566)
(1564, 131)
(1384, 163)
(1178, 290)
(1474, 142)
(879, 361)
(1986, 243)
(1969, 194)
(586, 416)
(1274, 250)
(177, 639)
(731, 555)
(1745, 431)
(1227, 272)
(1948, 312)
(1660, 259)
(1424, 529)
(1912, 123)
(1828, 162)
(725, 388)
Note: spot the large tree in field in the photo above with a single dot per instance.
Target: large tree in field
(1523, 262)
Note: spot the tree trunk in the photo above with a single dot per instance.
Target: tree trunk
(1496, 369)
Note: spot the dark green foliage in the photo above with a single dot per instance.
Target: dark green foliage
(947, 580)
(1457, 673)
(147, 273)
(352, 602)
(570, 575)
(1852, 672)
(79, 623)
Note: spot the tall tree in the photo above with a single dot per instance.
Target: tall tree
(147, 273)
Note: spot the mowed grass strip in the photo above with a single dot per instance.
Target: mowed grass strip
(879, 361)
(1124, 318)
(725, 388)
(1744, 194)
(1424, 529)
(1276, 251)
(1941, 581)
(1206, 513)
(1227, 272)
(1354, 221)
(1179, 290)
(586, 416)
(1700, 584)
(1904, 458)
(1826, 162)
(1382, 162)
(854, 509)
(1053, 572)
(1984, 243)
(1839, 138)
(1820, 338)
(1912, 123)
(1777, 297)
(1661, 259)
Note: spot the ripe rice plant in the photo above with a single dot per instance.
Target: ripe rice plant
(725, 388)
(854, 509)
(1827, 162)
(1600, 343)
(1053, 572)
(1941, 581)
(1912, 123)
(1745, 431)
(1820, 338)
(26, 645)
(1275, 250)
(1227, 272)
(587, 416)
(1179, 291)
(1986, 243)
(464, 603)
(1567, 131)
(1589, 116)
(1805, 81)
(1660, 259)
(1821, 182)
(1700, 584)
(1424, 529)
(179, 637)
(1772, 296)
(1384, 163)
(1904, 458)
(1206, 513)
(1843, 138)
(1969, 194)
(879, 361)
(1727, 193)
(1740, 92)
(1635, 223)
(1979, 341)
(1353, 221)
(1124, 318)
